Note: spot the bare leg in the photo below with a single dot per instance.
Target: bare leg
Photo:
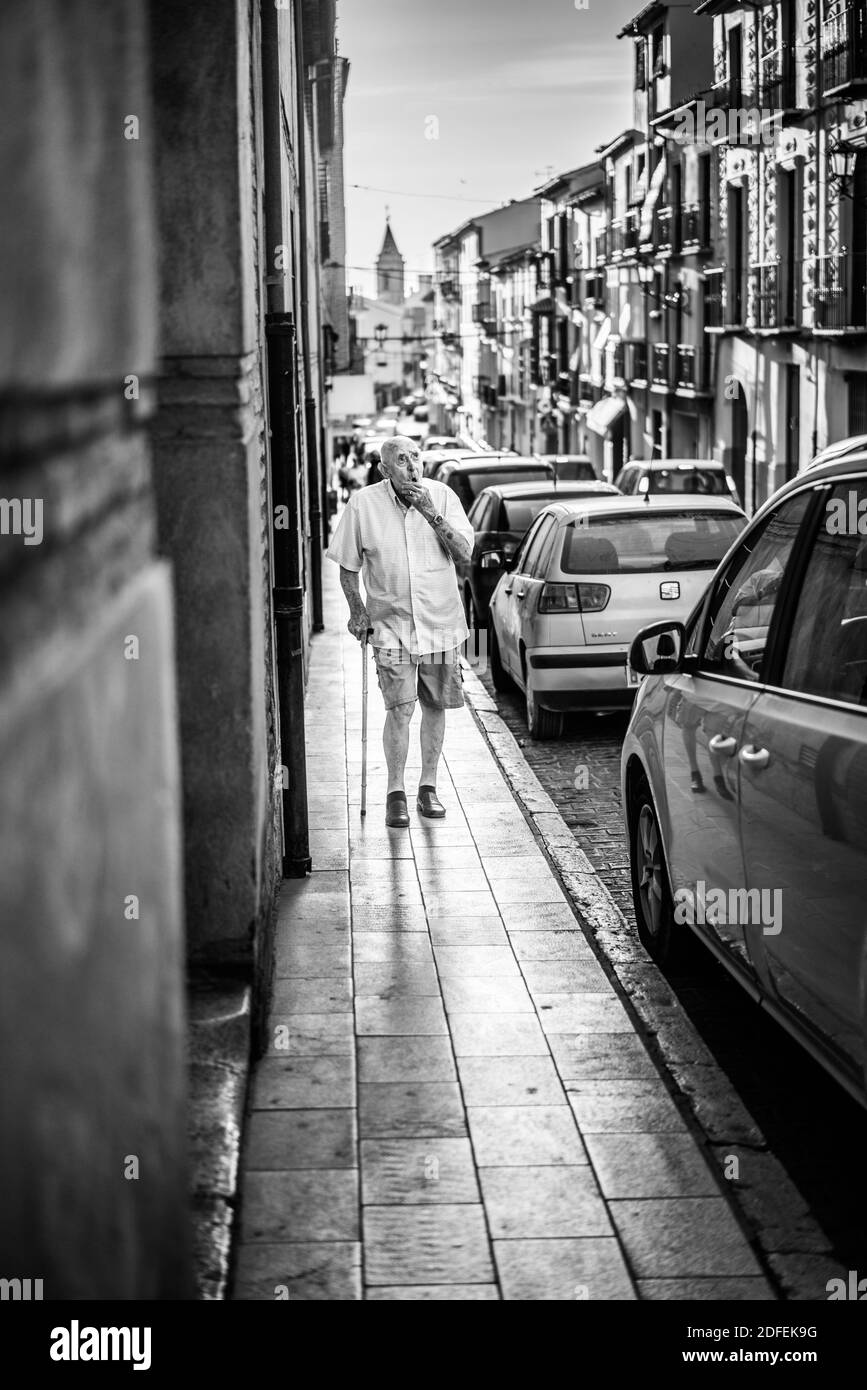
(433, 728)
(395, 743)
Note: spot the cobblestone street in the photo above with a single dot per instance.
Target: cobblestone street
(814, 1130)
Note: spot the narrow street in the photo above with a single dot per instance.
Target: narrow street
(810, 1125)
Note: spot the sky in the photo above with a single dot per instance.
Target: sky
(470, 103)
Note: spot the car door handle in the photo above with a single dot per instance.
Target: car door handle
(720, 744)
(507, 589)
(755, 757)
(519, 593)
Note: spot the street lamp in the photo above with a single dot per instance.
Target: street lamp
(842, 156)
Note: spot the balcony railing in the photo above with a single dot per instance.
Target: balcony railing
(725, 298)
(618, 362)
(661, 359)
(600, 248)
(839, 292)
(691, 367)
(777, 86)
(776, 294)
(667, 229)
(844, 47)
(636, 362)
(623, 235)
(695, 226)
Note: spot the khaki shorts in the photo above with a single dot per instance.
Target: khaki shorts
(440, 681)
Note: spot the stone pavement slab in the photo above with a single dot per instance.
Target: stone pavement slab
(455, 1103)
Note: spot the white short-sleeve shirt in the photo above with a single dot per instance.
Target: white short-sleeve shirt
(410, 582)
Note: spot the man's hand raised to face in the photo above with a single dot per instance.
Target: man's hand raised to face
(416, 495)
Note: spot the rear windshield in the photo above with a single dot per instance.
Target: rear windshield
(711, 481)
(640, 544)
(469, 485)
(490, 477)
(519, 512)
(575, 470)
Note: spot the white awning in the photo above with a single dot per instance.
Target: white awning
(645, 230)
(602, 415)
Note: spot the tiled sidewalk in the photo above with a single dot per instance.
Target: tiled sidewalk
(455, 1104)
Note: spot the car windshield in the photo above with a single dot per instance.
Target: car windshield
(640, 543)
(706, 480)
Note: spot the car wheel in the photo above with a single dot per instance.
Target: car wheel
(651, 895)
(541, 723)
(499, 675)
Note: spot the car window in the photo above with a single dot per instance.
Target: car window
(647, 542)
(477, 512)
(459, 483)
(693, 480)
(827, 653)
(745, 595)
(524, 548)
(520, 511)
(531, 565)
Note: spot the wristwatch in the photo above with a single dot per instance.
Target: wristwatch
(438, 519)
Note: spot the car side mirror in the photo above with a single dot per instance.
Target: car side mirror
(658, 649)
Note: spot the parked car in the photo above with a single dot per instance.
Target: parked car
(693, 477)
(445, 442)
(855, 444)
(500, 516)
(467, 476)
(744, 768)
(572, 468)
(383, 425)
(586, 577)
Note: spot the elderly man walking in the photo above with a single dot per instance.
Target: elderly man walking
(403, 536)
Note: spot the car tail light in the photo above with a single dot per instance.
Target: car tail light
(573, 598)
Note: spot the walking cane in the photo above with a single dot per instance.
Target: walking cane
(364, 722)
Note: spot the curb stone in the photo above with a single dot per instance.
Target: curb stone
(726, 1125)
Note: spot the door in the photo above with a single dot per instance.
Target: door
(740, 432)
(510, 595)
(793, 418)
(803, 775)
(704, 718)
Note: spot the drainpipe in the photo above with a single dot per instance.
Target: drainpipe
(310, 427)
(288, 593)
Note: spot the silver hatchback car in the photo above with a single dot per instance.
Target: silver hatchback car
(744, 768)
(586, 577)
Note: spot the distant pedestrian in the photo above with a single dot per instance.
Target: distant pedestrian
(402, 537)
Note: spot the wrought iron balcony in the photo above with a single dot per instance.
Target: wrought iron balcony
(623, 235)
(636, 362)
(725, 298)
(776, 294)
(695, 226)
(839, 292)
(661, 361)
(618, 361)
(667, 229)
(777, 84)
(844, 47)
(691, 367)
(600, 248)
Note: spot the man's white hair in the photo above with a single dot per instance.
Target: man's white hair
(391, 449)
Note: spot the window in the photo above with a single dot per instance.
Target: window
(644, 543)
(857, 403)
(827, 653)
(524, 548)
(531, 565)
(746, 595)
